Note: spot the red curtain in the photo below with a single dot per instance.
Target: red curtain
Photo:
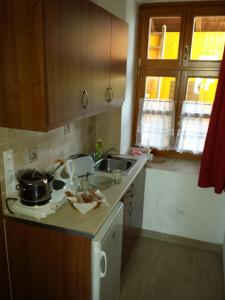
(212, 171)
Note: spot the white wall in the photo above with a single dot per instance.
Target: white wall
(174, 204)
(127, 109)
(108, 126)
(116, 7)
(158, 1)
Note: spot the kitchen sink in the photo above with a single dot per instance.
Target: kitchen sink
(108, 164)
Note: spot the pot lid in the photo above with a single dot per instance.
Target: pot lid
(30, 176)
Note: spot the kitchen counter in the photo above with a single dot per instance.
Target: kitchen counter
(68, 219)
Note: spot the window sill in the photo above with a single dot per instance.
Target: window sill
(178, 165)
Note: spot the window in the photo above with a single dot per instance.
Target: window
(179, 53)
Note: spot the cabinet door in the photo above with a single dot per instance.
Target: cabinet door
(126, 243)
(48, 264)
(132, 218)
(137, 189)
(22, 99)
(63, 59)
(118, 61)
(4, 276)
(97, 63)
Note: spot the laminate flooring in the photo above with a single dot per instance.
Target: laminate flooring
(159, 270)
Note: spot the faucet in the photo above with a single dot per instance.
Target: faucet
(106, 153)
(110, 151)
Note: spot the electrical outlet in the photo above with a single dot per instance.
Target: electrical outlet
(33, 154)
(67, 128)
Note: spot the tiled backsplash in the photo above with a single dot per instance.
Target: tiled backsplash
(51, 145)
(108, 127)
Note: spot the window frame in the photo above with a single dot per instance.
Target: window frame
(180, 68)
(144, 23)
(215, 10)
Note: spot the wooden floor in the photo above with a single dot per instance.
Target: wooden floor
(165, 271)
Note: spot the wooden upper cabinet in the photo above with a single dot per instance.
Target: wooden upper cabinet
(54, 60)
(63, 59)
(22, 96)
(97, 62)
(118, 61)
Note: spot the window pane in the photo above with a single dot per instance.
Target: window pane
(156, 124)
(201, 89)
(157, 113)
(164, 35)
(192, 133)
(195, 114)
(208, 38)
(160, 88)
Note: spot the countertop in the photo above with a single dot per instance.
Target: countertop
(178, 165)
(68, 219)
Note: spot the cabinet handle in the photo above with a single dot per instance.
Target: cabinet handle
(111, 94)
(103, 255)
(85, 99)
(107, 94)
(133, 189)
(128, 195)
(186, 52)
(131, 208)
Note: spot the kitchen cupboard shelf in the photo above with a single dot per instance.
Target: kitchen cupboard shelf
(60, 60)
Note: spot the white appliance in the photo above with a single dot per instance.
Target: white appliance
(82, 164)
(42, 211)
(106, 257)
(57, 198)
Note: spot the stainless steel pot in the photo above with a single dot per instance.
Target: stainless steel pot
(33, 187)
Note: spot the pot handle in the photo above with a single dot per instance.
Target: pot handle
(19, 188)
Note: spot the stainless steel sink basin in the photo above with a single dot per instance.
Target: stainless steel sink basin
(108, 164)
